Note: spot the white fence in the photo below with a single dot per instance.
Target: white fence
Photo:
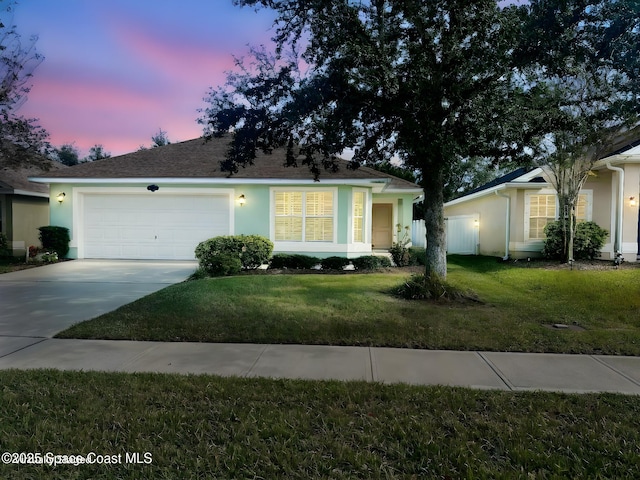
(462, 234)
(418, 232)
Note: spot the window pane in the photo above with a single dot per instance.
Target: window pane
(358, 204)
(319, 203)
(581, 208)
(289, 229)
(288, 203)
(357, 230)
(319, 230)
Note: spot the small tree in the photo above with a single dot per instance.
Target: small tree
(160, 139)
(587, 86)
(67, 154)
(97, 152)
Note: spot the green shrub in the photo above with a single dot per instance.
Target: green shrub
(334, 263)
(223, 264)
(4, 245)
(293, 261)
(588, 240)
(371, 262)
(423, 287)
(55, 239)
(399, 251)
(417, 256)
(252, 250)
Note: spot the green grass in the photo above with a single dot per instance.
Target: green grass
(518, 305)
(210, 427)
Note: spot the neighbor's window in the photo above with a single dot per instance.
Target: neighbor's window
(358, 216)
(304, 216)
(581, 208)
(542, 210)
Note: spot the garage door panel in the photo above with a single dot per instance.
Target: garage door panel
(151, 227)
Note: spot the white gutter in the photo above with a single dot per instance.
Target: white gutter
(619, 207)
(507, 226)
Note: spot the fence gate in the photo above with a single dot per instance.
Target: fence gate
(462, 234)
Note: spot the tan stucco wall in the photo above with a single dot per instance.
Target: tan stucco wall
(28, 215)
(630, 213)
(491, 211)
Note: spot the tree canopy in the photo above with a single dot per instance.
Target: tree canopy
(436, 84)
(18, 60)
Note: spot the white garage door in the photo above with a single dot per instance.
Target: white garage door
(151, 226)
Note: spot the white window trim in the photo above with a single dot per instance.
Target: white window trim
(550, 191)
(282, 245)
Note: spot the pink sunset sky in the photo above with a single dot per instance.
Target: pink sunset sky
(117, 71)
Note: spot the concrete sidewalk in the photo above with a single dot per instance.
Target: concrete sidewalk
(486, 370)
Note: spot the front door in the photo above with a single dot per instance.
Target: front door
(382, 225)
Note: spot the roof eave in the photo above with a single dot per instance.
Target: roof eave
(497, 188)
(378, 184)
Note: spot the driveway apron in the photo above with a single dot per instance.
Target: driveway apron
(42, 301)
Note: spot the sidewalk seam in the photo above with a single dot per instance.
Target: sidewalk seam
(253, 365)
(374, 375)
(615, 370)
(25, 347)
(497, 371)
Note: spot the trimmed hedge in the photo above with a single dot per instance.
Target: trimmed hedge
(293, 261)
(371, 262)
(55, 239)
(251, 250)
(334, 263)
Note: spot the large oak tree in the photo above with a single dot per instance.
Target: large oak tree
(427, 82)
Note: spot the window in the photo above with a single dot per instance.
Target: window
(358, 217)
(542, 208)
(582, 208)
(304, 216)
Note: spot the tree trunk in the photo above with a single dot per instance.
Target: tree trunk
(436, 249)
(571, 235)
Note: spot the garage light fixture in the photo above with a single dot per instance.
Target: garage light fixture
(242, 200)
(60, 197)
(153, 188)
(632, 201)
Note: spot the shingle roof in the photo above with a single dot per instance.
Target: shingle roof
(14, 174)
(199, 159)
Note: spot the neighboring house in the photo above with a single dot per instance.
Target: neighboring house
(506, 217)
(160, 203)
(24, 205)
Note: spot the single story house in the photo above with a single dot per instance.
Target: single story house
(506, 217)
(24, 205)
(161, 202)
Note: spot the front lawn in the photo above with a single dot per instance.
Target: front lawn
(211, 427)
(519, 306)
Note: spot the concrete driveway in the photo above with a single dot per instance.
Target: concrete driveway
(40, 302)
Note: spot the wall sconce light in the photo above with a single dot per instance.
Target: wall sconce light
(60, 197)
(242, 200)
(476, 223)
(632, 201)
